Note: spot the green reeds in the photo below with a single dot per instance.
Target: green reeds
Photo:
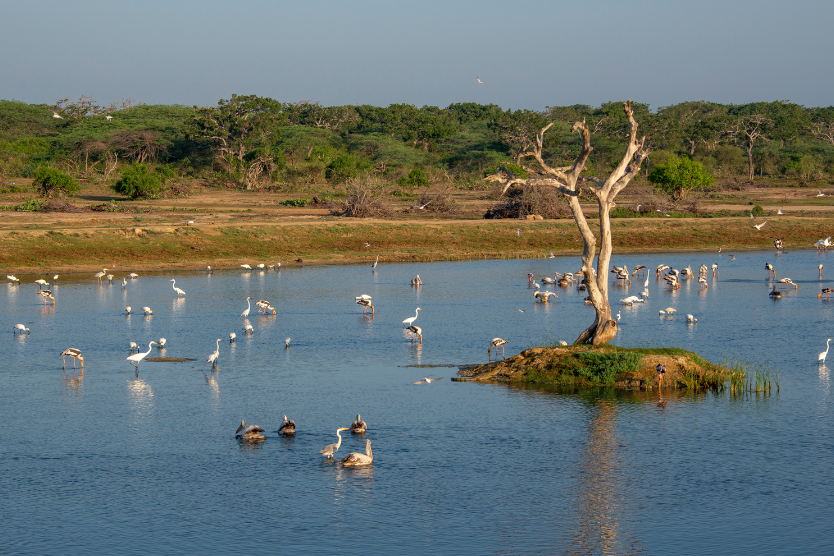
(751, 378)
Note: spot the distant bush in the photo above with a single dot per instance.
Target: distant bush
(678, 175)
(50, 181)
(416, 178)
(137, 181)
(295, 202)
(31, 205)
(757, 210)
(604, 367)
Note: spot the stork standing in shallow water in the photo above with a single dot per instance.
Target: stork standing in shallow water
(75, 353)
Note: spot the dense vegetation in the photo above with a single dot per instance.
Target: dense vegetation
(254, 142)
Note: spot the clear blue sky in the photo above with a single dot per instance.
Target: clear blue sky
(532, 55)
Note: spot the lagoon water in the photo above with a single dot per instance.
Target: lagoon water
(109, 462)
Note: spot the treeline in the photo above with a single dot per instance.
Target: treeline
(254, 142)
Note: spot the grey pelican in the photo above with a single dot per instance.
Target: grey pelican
(287, 426)
(136, 357)
(331, 449)
(358, 426)
(75, 353)
(252, 432)
(410, 320)
(494, 344)
(180, 292)
(356, 459)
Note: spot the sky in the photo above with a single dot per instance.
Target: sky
(529, 55)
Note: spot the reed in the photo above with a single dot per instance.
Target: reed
(751, 378)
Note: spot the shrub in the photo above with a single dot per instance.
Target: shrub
(678, 175)
(518, 202)
(50, 181)
(137, 181)
(416, 178)
(295, 202)
(30, 205)
(604, 367)
(757, 210)
(362, 201)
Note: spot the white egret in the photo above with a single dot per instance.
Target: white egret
(21, 328)
(358, 426)
(331, 449)
(75, 353)
(427, 380)
(357, 459)
(213, 357)
(376, 262)
(287, 426)
(245, 313)
(494, 344)
(135, 358)
(252, 432)
(180, 293)
(824, 354)
(410, 320)
(100, 275)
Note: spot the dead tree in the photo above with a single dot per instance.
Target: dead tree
(569, 182)
(745, 131)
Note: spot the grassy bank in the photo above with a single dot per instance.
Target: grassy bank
(55, 247)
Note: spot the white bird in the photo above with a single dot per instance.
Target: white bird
(100, 275)
(358, 459)
(13, 278)
(245, 313)
(41, 282)
(264, 305)
(55, 278)
(21, 328)
(147, 310)
(180, 293)
(494, 344)
(359, 426)
(630, 300)
(417, 331)
(108, 117)
(287, 343)
(366, 302)
(544, 297)
(820, 194)
(124, 282)
(668, 311)
(212, 358)
(134, 346)
(133, 276)
(109, 278)
(252, 432)
(161, 343)
(824, 354)
(409, 321)
(479, 79)
(247, 329)
(427, 380)
(127, 310)
(261, 266)
(788, 282)
(208, 269)
(331, 449)
(232, 337)
(135, 358)
(376, 262)
(56, 115)
(759, 226)
(691, 319)
(618, 315)
(246, 267)
(780, 211)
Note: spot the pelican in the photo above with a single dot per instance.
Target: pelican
(356, 459)
(287, 343)
(358, 426)
(245, 313)
(212, 358)
(247, 329)
(161, 343)
(180, 293)
(41, 282)
(246, 267)
(788, 282)
(760, 226)
(331, 449)
(824, 354)
(630, 300)
(691, 319)
(133, 276)
(703, 281)
(100, 275)
(494, 344)
(287, 427)
(147, 310)
(668, 311)
(252, 432)
(133, 347)
(136, 357)
(21, 328)
(427, 380)
(825, 291)
(544, 297)
(417, 331)
(75, 353)
(376, 262)
(365, 301)
(46, 294)
(410, 320)
(232, 337)
(264, 305)
(769, 269)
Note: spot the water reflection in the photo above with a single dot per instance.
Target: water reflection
(178, 304)
(211, 380)
(73, 385)
(251, 443)
(141, 398)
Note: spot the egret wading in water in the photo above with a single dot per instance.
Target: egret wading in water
(245, 313)
(331, 449)
(250, 433)
(824, 354)
(359, 426)
(287, 427)
(213, 357)
(410, 320)
(357, 459)
(136, 357)
(20, 328)
(180, 292)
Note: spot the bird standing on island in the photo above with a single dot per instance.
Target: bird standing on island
(331, 449)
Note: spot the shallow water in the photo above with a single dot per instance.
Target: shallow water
(112, 462)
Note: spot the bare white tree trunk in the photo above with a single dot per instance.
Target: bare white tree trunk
(567, 180)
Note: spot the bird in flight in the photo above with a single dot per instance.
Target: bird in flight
(479, 80)
(427, 380)
(57, 115)
(759, 226)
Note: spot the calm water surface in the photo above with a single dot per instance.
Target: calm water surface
(110, 462)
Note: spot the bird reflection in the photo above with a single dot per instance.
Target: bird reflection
(824, 377)
(249, 444)
(141, 397)
(211, 380)
(47, 309)
(75, 382)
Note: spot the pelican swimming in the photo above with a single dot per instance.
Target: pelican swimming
(357, 459)
(358, 426)
(252, 432)
(417, 331)
(212, 358)
(494, 344)
(410, 320)
(180, 292)
(75, 353)
(544, 297)
(245, 313)
(264, 306)
(136, 357)
(331, 449)
(21, 328)
(287, 426)
(824, 354)
(365, 301)
(427, 380)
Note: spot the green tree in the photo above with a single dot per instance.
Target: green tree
(678, 175)
(50, 181)
(138, 181)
